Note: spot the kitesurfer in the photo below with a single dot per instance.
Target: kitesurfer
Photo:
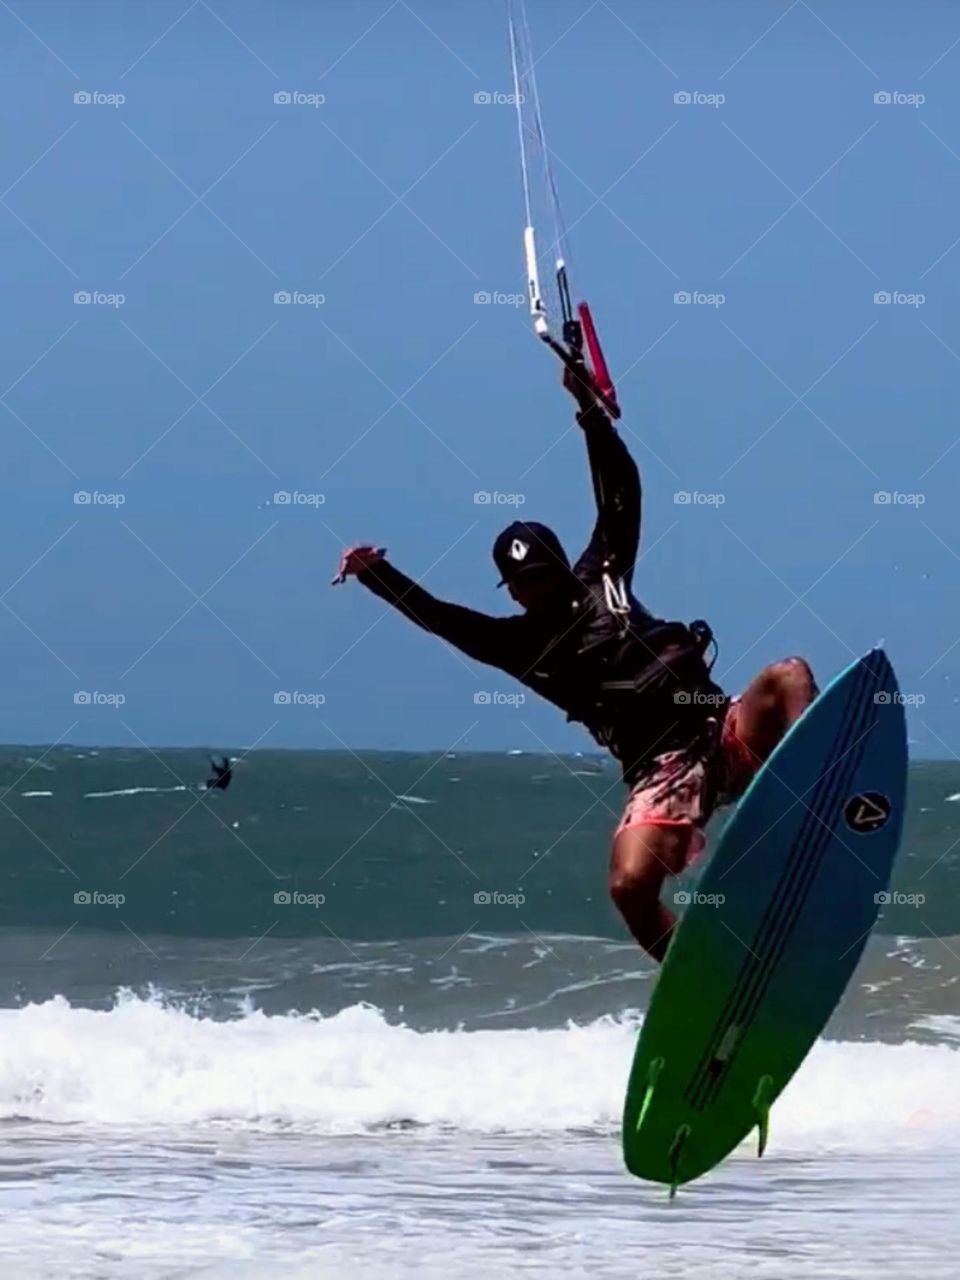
(222, 774)
(640, 684)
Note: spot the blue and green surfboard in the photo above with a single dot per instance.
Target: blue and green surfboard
(777, 925)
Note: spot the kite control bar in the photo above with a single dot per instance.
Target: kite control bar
(595, 373)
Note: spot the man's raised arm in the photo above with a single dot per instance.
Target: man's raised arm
(616, 487)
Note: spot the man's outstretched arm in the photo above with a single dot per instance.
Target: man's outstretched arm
(480, 636)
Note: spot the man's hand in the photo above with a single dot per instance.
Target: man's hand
(577, 382)
(356, 559)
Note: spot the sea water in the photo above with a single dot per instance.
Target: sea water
(404, 1079)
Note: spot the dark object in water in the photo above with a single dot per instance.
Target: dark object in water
(222, 774)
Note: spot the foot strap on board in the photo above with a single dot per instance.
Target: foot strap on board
(676, 1151)
(653, 1075)
(761, 1108)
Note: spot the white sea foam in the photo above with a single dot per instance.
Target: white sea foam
(132, 791)
(944, 1025)
(144, 1063)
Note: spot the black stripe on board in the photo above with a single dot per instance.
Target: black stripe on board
(775, 928)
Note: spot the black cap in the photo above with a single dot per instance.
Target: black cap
(526, 545)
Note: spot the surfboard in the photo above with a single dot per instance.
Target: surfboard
(773, 932)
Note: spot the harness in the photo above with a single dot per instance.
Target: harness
(665, 699)
(680, 663)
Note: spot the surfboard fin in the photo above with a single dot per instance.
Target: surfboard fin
(676, 1151)
(653, 1075)
(761, 1108)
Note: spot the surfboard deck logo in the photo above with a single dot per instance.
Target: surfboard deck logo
(867, 812)
(765, 952)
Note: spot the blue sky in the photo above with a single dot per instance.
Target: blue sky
(397, 398)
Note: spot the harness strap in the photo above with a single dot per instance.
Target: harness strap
(702, 638)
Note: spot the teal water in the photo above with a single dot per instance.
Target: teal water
(398, 845)
(417, 1065)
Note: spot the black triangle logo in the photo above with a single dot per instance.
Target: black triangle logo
(867, 811)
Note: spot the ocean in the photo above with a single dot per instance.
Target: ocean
(372, 1015)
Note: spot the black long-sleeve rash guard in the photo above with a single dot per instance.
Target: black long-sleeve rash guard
(601, 637)
(616, 487)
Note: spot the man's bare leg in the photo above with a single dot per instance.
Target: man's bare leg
(770, 704)
(643, 856)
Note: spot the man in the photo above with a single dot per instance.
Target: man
(639, 684)
(222, 774)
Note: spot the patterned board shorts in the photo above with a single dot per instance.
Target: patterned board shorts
(683, 788)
